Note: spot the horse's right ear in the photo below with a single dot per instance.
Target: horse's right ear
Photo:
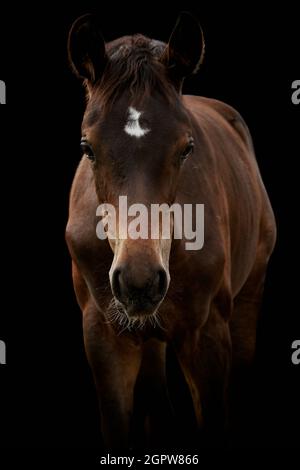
(86, 48)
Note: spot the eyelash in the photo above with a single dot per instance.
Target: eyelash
(87, 150)
(188, 150)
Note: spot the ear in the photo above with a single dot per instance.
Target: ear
(185, 50)
(86, 48)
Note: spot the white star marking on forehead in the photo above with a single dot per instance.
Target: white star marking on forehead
(132, 126)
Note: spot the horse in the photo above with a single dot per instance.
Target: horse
(143, 138)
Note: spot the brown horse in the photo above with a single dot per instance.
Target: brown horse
(142, 138)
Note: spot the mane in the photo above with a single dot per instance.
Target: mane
(134, 66)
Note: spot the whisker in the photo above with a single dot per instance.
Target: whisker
(116, 314)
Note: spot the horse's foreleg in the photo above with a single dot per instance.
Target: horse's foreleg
(243, 325)
(115, 362)
(205, 359)
(152, 406)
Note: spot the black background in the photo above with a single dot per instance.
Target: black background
(47, 399)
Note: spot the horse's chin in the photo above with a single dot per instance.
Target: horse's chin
(131, 317)
(134, 313)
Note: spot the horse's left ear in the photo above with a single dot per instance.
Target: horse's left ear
(86, 48)
(185, 50)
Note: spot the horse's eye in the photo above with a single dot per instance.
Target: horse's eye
(188, 150)
(87, 150)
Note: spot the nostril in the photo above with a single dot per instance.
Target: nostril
(143, 289)
(116, 283)
(162, 282)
